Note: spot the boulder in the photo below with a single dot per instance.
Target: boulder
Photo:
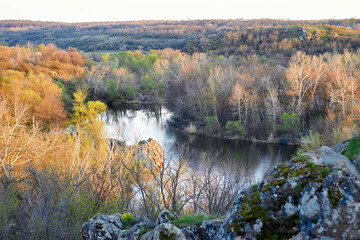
(102, 227)
(191, 232)
(167, 231)
(315, 196)
(356, 161)
(166, 216)
(208, 229)
(151, 150)
(136, 231)
(110, 227)
(341, 147)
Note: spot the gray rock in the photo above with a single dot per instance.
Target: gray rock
(210, 228)
(102, 227)
(356, 162)
(167, 231)
(165, 216)
(150, 150)
(341, 147)
(191, 232)
(136, 231)
(313, 197)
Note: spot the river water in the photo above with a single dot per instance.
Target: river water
(250, 159)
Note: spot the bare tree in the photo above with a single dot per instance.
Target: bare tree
(304, 73)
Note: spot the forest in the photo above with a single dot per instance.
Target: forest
(203, 35)
(252, 98)
(58, 168)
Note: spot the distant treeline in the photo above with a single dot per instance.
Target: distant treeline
(188, 36)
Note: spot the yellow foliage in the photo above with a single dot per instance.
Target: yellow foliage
(27, 74)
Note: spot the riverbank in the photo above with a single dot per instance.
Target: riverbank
(194, 129)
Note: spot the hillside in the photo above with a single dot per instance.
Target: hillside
(116, 36)
(279, 41)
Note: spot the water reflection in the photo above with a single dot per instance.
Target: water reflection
(253, 159)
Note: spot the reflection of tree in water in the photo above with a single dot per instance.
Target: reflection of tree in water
(250, 159)
(255, 158)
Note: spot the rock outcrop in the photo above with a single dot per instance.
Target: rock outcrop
(102, 227)
(342, 147)
(110, 227)
(152, 151)
(165, 216)
(315, 196)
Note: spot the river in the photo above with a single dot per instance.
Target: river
(250, 159)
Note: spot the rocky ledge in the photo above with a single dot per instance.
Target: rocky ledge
(313, 196)
(110, 227)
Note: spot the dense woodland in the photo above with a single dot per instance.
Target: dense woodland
(57, 166)
(249, 97)
(203, 35)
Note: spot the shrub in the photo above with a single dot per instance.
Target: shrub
(191, 128)
(311, 142)
(290, 124)
(128, 219)
(354, 148)
(342, 133)
(234, 128)
(212, 125)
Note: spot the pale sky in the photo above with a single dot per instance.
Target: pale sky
(119, 10)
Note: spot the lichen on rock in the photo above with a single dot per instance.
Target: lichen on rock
(311, 196)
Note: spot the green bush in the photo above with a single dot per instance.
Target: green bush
(234, 128)
(290, 124)
(150, 84)
(128, 219)
(212, 125)
(354, 148)
(311, 142)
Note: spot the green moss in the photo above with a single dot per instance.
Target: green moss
(273, 228)
(335, 197)
(254, 187)
(314, 173)
(164, 236)
(246, 216)
(324, 171)
(244, 206)
(280, 228)
(279, 183)
(276, 206)
(143, 231)
(299, 158)
(311, 164)
(282, 171)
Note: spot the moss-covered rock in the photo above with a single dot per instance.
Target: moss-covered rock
(313, 195)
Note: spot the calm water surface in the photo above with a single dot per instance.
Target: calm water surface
(251, 159)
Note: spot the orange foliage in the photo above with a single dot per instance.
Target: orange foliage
(27, 74)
